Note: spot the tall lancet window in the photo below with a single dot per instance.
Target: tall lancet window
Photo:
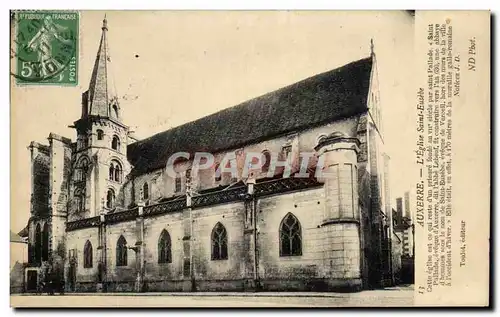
(115, 112)
(115, 143)
(145, 191)
(45, 242)
(118, 173)
(79, 199)
(165, 248)
(38, 244)
(219, 242)
(290, 236)
(87, 255)
(121, 252)
(110, 198)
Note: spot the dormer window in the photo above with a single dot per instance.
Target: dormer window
(115, 144)
(100, 134)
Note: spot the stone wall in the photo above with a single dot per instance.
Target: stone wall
(60, 172)
(40, 182)
(339, 255)
(330, 256)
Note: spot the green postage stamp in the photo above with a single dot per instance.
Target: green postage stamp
(46, 47)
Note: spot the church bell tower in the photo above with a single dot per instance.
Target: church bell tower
(100, 157)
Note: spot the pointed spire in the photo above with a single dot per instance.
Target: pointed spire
(101, 98)
(372, 48)
(104, 23)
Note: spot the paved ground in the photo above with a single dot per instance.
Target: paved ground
(394, 296)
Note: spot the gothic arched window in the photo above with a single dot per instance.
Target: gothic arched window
(115, 143)
(121, 252)
(110, 198)
(290, 236)
(145, 191)
(45, 242)
(219, 242)
(164, 248)
(38, 244)
(87, 255)
(100, 134)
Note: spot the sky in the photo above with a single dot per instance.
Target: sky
(170, 68)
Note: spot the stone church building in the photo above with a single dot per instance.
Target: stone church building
(106, 216)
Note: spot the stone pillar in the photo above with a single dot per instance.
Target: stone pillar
(250, 232)
(101, 251)
(188, 265)
(140, 248)
(338, 170)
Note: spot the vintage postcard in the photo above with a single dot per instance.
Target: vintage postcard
(250, 159)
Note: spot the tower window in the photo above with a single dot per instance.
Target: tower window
(121, 252)
(100, 134)
(118, 173)
(115, 111)
(111, 171)
(115, 143)
(87, 255)
(290, 236)
(219, 242)
(82, 169)
(115, 171)
(79, 200)
(145, 191)
(110, 199)
(165, 248)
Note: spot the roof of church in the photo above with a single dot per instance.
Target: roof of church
(323, 98)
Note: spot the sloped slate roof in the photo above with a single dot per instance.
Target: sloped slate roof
(322, 98)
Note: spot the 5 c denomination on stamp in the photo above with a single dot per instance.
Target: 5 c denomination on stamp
(46, 47)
